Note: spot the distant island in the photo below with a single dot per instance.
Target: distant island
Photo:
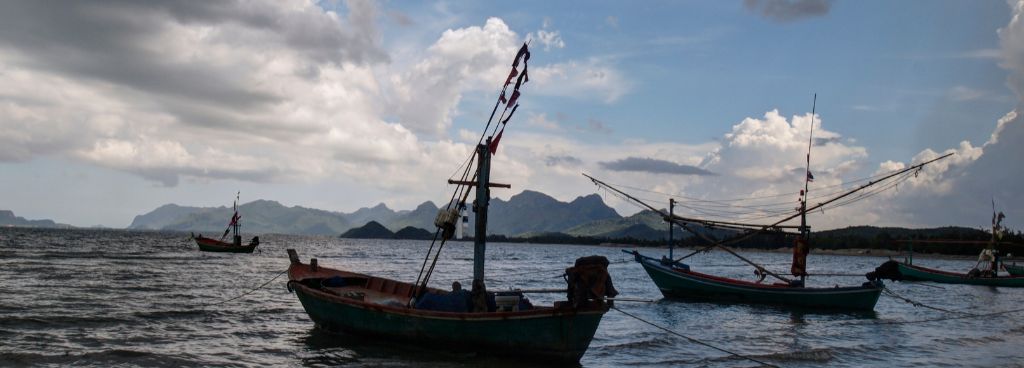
(7, 218)
(374, 230)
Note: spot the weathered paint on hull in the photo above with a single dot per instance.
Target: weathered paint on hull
(559, 335)
(209, 246)
(688, 285)
(1014, 269)
(918, 273)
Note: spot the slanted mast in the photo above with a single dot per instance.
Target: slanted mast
(449, 218)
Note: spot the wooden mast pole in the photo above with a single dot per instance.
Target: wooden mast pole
(807, 173)
(671, 213)
(483, 153)
(804, 233)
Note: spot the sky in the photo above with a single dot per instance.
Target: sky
(109, 109)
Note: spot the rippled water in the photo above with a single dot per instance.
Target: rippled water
(102, 298)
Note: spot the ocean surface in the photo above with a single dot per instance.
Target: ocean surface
(118, 298)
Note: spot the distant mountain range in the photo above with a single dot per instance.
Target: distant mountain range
(526, 213)
(7, 218)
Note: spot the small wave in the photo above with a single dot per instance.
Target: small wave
(59, 321)
(975, 340)
(171, 314)
(813, 355)
(102, 358)
(644, 344)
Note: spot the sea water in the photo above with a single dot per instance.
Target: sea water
(106, 297)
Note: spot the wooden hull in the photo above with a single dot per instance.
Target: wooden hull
(917, 273)
(214, 245)
(1014, 269)
(544, 334)
(676, 283)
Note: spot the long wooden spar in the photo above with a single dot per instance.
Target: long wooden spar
(752, 232)
(685, 225)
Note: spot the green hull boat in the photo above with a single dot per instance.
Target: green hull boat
(1014, 269)
(918, 273)
(378, 308)
(676, 282)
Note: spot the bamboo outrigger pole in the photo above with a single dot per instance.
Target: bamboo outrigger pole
(751, 232)
(685, 225)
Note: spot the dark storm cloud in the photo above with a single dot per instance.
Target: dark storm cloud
(120, 42)
(788, 10)
(654, 166)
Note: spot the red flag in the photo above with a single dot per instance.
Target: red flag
(512, 100)
(494, 143)
(234, 219)
(502, 97)
(511, 75)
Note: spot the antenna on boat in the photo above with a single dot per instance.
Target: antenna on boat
(671, 213)
(801, 247)
(807, 173)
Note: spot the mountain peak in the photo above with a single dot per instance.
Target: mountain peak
(266, 202)
(372, 230)
(426, 206)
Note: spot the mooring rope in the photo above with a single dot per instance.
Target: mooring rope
(915, 303)
(693, 340)
(245, 293)
(949, 318)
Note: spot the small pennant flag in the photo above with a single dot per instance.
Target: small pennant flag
(494, 143)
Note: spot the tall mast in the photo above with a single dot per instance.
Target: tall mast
(483, 153)
(807, 174)
(236, 239)
(671, 214)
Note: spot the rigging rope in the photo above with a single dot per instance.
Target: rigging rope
(693, 340)
(245, 293)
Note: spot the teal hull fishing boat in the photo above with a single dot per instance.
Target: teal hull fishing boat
(918, 273)
(375, 307)
(477, 321)
(985, 271)
(677, 281)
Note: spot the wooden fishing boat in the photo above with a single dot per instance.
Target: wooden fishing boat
(678, 281)
(985, 271)
(918, 273)
(379, 308)
(480, 321)
(213, 245)
(235, 246)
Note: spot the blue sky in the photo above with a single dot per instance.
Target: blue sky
(111, 110)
